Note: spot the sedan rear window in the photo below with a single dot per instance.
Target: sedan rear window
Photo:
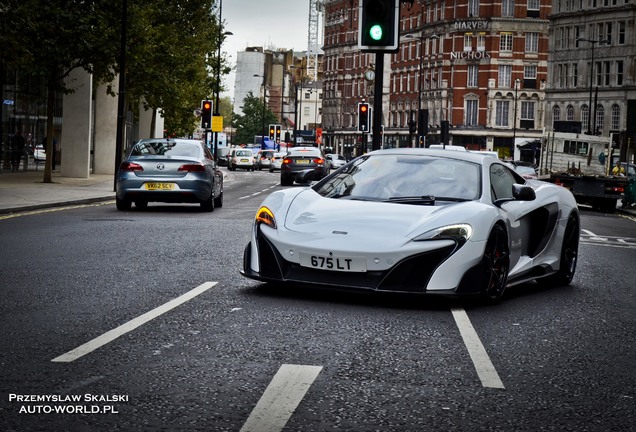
(166, 148)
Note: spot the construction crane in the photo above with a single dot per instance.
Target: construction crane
(312, 40)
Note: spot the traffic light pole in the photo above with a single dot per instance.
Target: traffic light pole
(377, 101)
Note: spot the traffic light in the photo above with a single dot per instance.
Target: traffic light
(272, 132)
(277, 133)
(206, 114)
(378, 25)
(363, 117)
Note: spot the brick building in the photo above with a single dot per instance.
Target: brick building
(481, 65)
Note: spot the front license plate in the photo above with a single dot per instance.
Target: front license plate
(159, 186)
(332, 262)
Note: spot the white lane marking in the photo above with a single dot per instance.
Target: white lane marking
(484, 367)
(282, 396)
(113, 334)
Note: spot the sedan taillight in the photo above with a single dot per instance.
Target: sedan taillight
(130, 166)
(197, 167)
(319, 161)
(287, 161)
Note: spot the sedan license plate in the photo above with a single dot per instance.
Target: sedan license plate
(333, 263)
(302, 161)
(159, 186)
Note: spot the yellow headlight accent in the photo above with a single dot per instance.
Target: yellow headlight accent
(265, 216)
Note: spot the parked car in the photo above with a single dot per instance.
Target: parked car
(276, 161)
(525, 169)
(417, 221)
(299, 159)
(241, 158)
(335, 160)
(39, 154)
(169, 170)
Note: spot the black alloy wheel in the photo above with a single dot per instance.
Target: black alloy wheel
(496, 262)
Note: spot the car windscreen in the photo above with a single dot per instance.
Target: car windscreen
(394, 177)
(166, 148)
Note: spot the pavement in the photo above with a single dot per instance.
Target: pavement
(26, 190)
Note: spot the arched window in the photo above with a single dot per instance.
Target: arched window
(570, 113)
(556, 113)
(616, 117)
(585, 118)
(600, 118)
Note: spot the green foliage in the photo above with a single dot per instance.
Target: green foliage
(255, 120)
(171, 55)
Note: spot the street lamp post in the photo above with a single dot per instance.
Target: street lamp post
(590, 130)
(421, 120)
(218, 78)
(514, 120)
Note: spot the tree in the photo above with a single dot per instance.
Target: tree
(255, 116)
(47, 40)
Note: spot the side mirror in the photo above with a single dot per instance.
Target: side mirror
(519, 193)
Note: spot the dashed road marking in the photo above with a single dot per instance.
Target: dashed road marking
(282, 396)
(113, 334)
(484, 367)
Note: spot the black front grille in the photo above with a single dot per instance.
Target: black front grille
(410, 275)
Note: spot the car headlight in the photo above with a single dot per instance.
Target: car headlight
(458, 232)
(265, 216)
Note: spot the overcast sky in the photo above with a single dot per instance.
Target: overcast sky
(267, 23)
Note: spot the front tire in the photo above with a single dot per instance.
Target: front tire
(496, 264)
(569, 254)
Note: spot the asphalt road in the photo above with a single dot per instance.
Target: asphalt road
(140, 321)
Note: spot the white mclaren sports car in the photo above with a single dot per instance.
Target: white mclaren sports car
(417, 221)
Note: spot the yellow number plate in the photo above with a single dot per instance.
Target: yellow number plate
(159, 186)
(302, 161)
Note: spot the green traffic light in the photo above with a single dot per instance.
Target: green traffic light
(376, 32)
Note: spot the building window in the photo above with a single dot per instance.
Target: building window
(508, 8)
(530, 72)
(505, 72)
(556, 113)
(505, 42)
(473, 73)
(468, 41)
(606, 73)
(532, 42)
(585, 118)
(502, 113)
(527, 110)
(574, 75)
(616, 117)
(569, 113)
(619, 72)
(534, 7)
(600, 117)
(481, 41)
(621, 33)
(471, 110)
(473, 8)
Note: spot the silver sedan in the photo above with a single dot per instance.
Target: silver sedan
(169, 170)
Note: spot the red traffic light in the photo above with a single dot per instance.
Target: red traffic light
(363, 108)
(207, 105)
